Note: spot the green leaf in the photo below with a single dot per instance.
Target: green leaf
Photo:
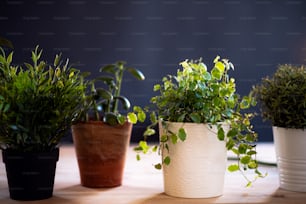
(195, 117)
(149, 132)
(121, 119)
(164, 138)
(221, 134)
(156, 87)
(252, 152)
(137, 157)
(155, 148)
(104, 94)
(216, 59)
(141, 116)
(9, 58)
(124, 101)
(252, 165)
(136, 73)
(111, 68)
(167, 160)
(242, 148)
(158, 166)
(181, 118)
(182, 134)
(206, 76)
(174, 138)
(232, 133)
(215, 73)
(132, 117)
(245, 103)
(220, 66)
(111, 119)
(153, 117)
(144, 146)
(245, 159)
(233, 168)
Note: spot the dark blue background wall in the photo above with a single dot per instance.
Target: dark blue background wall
(154, 36)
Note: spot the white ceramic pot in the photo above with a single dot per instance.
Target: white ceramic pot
(198, 164)
(290, 147)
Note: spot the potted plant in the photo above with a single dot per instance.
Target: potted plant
(37, 104)
(200, 117)
(102, 131)
(282, 99)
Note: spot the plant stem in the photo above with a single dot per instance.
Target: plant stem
(119, 77)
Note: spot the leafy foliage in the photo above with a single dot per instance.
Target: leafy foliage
(37, 102)
(283, 97)
(103, 103)
(197, 95)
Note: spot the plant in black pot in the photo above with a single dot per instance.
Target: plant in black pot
(37, 104)
(282, 100)
(200, 116)
(102, 130)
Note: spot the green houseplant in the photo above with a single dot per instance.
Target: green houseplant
(197, 96)
(37, 104)
(102, 130)
(282, 100)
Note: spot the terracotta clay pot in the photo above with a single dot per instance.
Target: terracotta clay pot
(101, 152)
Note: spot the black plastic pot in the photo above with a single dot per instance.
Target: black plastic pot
(31, 175)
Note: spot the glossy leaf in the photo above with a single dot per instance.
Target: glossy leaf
(136, 73)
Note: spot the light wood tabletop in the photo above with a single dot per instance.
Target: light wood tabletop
(143, 184)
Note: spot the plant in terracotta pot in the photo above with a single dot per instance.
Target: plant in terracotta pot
(200, 117)
(37, 104)
(282, 99)
(102, 130)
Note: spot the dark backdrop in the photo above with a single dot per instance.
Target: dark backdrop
(154, 36)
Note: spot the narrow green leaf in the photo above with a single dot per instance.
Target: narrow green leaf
(221, 134)
(9, 58)
(111, 68)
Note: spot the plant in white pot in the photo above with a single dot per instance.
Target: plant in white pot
(282, 99)
(200, 117)
(102, 130)
(37, 104)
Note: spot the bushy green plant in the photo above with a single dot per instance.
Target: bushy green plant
(102, 104)
(282, 97)
(198, 95)
(38, 102)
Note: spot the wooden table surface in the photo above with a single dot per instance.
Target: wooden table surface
(143, 184)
